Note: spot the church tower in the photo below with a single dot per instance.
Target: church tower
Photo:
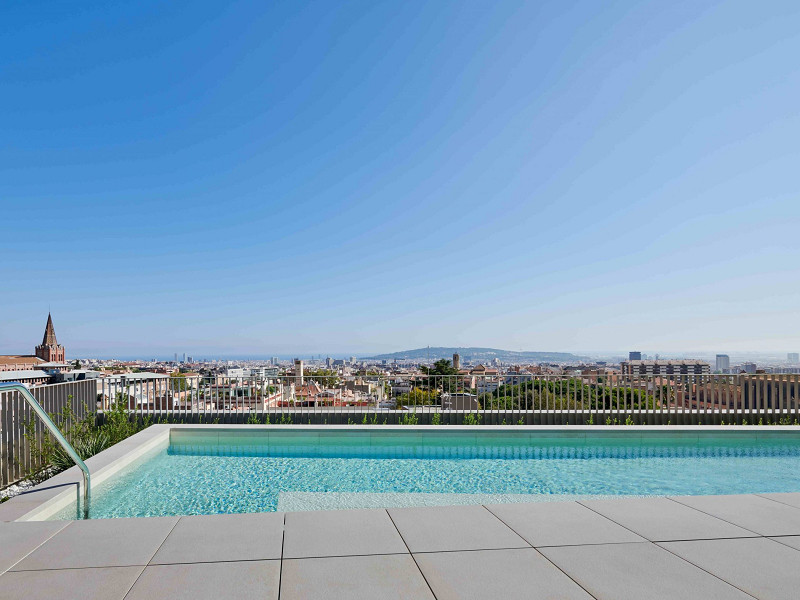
(49, 350)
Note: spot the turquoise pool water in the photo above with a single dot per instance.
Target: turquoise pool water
(230, 474)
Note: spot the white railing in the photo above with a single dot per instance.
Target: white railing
(454, 399)
(502, 399)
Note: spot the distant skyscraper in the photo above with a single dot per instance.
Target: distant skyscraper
(184, 357)
(456, 361)
(793, 357)
(275, 361)
(176, 358)
(352, 360)
(298, 371)
(723, 362)
(749, 367)
(634, 356)
(328, 362)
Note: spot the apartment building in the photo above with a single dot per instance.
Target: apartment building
(643, 368)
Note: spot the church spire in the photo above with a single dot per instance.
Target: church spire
(49, 338)
(49, 350)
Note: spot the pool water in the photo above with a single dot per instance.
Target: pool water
(227, 476)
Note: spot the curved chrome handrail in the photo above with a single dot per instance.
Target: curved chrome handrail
(37, 408)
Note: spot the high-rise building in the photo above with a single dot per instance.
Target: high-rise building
(793, 357)
(176, 358)
(50, 350)
(275, 361)
(328, 362)
(456, 361)
(298, 371)
(723, 362)
(352, 360)
(748, 367)
(634, 355)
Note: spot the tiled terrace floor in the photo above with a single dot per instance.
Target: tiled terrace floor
(703, 547)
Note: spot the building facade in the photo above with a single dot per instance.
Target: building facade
(644, 368)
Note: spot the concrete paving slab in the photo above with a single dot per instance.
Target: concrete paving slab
(561, 524)
(17, 540)
(17, 507)
(388, 577)
(761, 515)
(790, 498)
(108, 583)
(640, 571)
(247, 580)
(445, 528)
(340, 533)
(100, 543)
(209, 538)
(793, 541)
(759, 566)
(662, 519)
(518, 574)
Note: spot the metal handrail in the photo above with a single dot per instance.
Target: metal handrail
(37, 408)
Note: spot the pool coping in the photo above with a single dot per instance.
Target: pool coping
(56, 493)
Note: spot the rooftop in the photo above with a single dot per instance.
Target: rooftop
(21, 375)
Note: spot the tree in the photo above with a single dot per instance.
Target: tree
(440, 367)
(566, 394)
(417, 397)
(178, 382)
(441, 375)
(325, 377)
(77, 364)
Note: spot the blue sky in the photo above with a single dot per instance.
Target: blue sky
(251, 177)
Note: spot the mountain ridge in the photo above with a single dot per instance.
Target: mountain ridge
(472, 353)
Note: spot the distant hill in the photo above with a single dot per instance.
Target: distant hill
(478, 355)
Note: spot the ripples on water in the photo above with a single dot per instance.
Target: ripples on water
(208, 479)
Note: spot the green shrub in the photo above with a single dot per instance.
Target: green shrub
(470, 419)
(409, 419)
(85, 435)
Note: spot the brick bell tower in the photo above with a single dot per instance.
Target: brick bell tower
(49, 350)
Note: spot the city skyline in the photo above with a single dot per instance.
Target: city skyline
(50, 350)
(298, 178)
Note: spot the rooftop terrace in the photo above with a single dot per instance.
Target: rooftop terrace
(699, 547)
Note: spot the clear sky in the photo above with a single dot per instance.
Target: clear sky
(265, 177)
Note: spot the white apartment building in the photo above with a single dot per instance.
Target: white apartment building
(643, 368)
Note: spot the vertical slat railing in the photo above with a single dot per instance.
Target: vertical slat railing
(21, 455)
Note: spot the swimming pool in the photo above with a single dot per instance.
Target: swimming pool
(234, 470)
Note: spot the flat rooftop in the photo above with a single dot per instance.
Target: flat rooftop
(688, 547)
